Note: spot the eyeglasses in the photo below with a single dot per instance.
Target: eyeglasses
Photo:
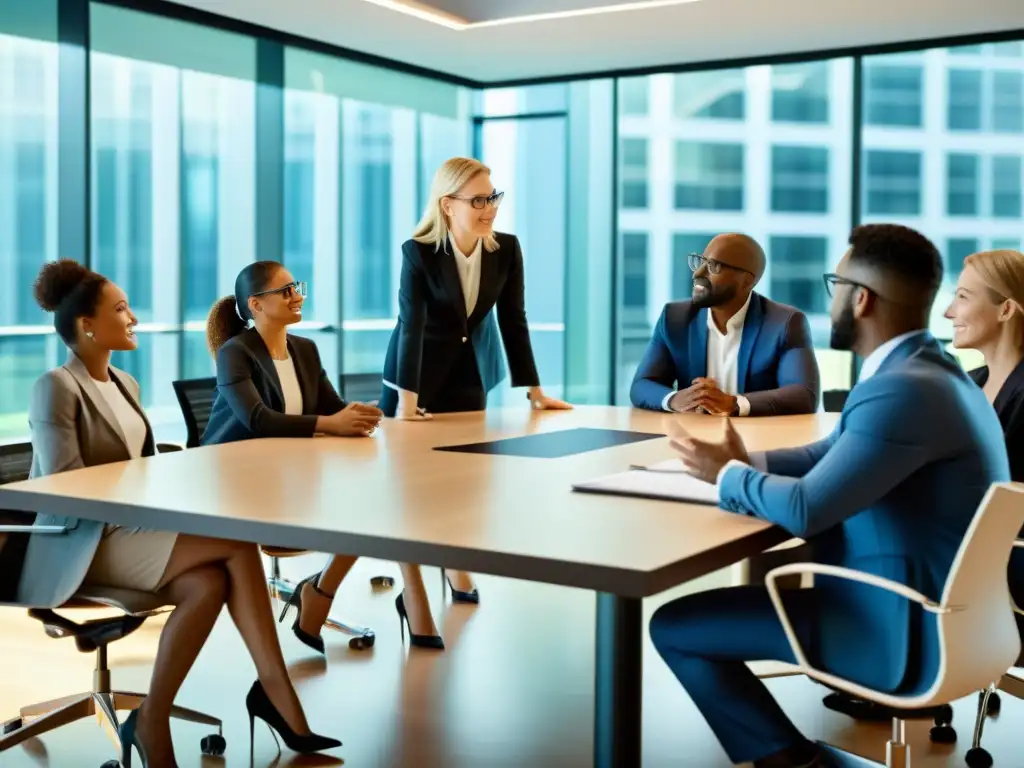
(297, 288)
(481, 201)
(714, 267)
(832, 279)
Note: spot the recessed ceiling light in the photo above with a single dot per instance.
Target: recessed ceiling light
(436, 16)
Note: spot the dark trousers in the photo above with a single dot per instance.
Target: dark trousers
(706, 640)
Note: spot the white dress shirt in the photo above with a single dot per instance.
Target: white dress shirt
(868, 369)
(289, 386)
(132, 424)
(469, 272)
(723, 358)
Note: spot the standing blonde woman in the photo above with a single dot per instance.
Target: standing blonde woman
(445, 354)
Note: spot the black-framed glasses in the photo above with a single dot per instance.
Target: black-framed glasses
(482, 201)
(298, 288)
(832, 280)
(697, 260)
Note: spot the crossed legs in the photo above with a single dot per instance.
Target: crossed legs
(202, 575)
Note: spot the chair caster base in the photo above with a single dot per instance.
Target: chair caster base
(213, 745)
(994, 703)
(978, 758)
(362, 642)
(942, 734)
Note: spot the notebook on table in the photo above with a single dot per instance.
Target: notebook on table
(664, 481)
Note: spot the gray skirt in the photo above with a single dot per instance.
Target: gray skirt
(131, 558)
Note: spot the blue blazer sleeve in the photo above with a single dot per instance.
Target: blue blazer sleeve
(656, 374)
(876, 451)
(797, 462)
(798, 377)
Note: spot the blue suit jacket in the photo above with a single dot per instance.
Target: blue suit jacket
(890, 492)
(777, 370)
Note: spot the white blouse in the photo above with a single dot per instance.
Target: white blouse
(132, 424)
(289, 386)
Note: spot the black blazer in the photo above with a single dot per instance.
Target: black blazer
(250, 402)
(1009, 405)
(433, 326)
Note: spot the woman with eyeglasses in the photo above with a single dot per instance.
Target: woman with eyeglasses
(87, 413)
(445, 354)
(272, 384)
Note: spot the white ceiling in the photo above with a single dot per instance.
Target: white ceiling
(709, 30)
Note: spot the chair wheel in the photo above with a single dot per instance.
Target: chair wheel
(994, 704)
(978, 758)
(943, 734)
(362, 642)
(12, 725)
(111, 764)
(213, 745)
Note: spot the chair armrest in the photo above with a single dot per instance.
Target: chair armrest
(51, 530)
(1019, 544)
(169, 447)
(821, 569)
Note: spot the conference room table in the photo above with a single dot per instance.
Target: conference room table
(395, 497)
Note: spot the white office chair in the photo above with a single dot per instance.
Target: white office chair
(988, 700)
(978, 639)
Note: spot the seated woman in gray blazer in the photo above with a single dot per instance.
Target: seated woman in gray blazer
(87, 413)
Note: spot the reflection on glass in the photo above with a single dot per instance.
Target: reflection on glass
(28, 166)
(23, 359)
(527, 161)
(718, 94)
(800, 92)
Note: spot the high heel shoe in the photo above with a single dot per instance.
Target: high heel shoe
(259, 705)
(417, 641)
(313, 641)
(459, 596)
(129, 739)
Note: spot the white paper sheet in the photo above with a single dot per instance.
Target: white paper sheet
(670, 483)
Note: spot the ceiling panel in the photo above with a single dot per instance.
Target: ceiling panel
(649, 37)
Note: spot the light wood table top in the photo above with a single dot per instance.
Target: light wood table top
(393, 497)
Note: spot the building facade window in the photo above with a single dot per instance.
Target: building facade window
(894, 95)
(709, 176)
(800, 179)
(961, 184)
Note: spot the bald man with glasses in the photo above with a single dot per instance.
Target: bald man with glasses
(728, 351)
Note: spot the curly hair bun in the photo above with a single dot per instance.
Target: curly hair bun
(56, 281)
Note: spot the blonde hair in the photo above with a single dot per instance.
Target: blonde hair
(1003, 272)
(449, 180)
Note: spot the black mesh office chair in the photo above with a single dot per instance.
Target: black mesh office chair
(360, 387)
(834, 400)
(196, 397)
(92, 636)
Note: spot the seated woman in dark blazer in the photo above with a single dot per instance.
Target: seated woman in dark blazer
(445, 354)
(272, 384)
(988, 315)
(87, 413)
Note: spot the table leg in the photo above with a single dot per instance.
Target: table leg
(618, 682)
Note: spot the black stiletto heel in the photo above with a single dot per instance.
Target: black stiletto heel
(129, 740)
(416, 641)
(313, 641)
(457, 595)
(258, 704)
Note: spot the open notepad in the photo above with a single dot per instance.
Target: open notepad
(665, 480)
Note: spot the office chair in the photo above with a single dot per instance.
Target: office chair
(834, 400)
(978, 637)
(196, 398)
(360, 387)
(90, 636)
(988, 700)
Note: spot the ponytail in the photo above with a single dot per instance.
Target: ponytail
(231, 315)
(223, 324)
